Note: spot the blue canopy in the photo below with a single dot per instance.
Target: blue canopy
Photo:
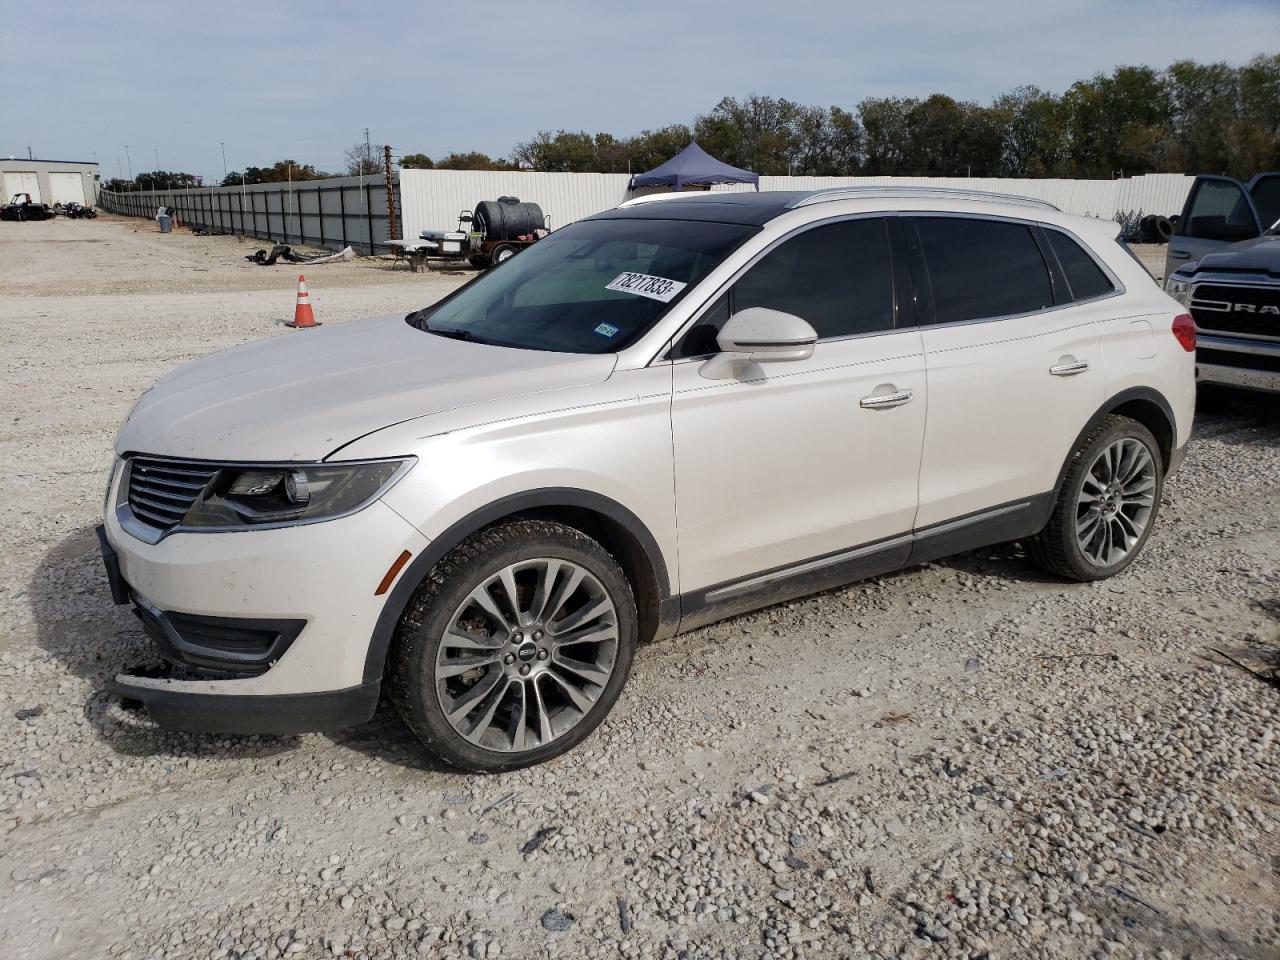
(693, 165)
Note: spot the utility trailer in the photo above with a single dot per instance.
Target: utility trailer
(494, 232)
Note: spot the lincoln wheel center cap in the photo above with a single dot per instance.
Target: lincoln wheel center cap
(527, 652)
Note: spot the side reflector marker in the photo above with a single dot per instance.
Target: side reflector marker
(392, 572)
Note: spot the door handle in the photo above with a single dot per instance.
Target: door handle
(1070, 368)
(886, 400)
(1180, 254)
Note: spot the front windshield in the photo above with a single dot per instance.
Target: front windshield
(592, 287)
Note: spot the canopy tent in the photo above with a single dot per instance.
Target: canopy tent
(693, 165)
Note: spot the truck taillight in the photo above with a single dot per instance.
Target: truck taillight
(1184, 331)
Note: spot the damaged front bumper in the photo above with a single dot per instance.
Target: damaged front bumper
(219, 674)
(201, 706)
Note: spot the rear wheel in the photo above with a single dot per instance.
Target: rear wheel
(502, 253)
(1107, 504)
(515, 647)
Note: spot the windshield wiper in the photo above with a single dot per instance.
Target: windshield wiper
(452, 334)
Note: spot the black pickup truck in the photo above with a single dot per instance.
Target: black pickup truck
(1229, 237)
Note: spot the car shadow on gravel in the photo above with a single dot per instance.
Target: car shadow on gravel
(78, 625)
(386, 739)
(1005, 561)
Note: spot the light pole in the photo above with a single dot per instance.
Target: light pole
(224, 159)
(128, 161)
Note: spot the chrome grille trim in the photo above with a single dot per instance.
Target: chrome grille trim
(160, 492)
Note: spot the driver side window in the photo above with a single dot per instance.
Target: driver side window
(838, 277)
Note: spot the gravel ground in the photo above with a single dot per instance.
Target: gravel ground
(966, 759)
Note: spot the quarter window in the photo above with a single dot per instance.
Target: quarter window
(838, 277)
(981, 269)
(1085, 278)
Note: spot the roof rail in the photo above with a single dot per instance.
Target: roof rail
(911, 193)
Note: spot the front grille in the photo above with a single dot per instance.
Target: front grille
(162, 491)
(1244, 361)
(1251, 311)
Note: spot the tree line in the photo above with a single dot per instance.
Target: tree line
(1187, 118)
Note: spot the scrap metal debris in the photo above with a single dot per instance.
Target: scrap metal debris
(284, 252)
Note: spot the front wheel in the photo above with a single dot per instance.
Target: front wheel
(515, 647)
(502, 253)
(1107, 504)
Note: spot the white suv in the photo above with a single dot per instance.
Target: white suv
(654, 418)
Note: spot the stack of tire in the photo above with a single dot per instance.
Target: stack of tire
(1154, 228)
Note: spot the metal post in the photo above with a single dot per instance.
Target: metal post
(368, 215)
(320, 213)
(342, 213)
(391, 199)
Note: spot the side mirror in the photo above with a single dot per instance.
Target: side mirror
(759, 335)
(767, 336)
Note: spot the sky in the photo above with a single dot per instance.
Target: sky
(281, 79)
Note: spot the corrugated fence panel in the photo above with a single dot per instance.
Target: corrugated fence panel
(331, 213)
(352, 210)
(432, 199)
(1160, 193)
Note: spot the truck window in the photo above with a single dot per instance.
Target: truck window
(1220, 210)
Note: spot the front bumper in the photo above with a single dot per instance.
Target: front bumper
(176, 708)
(1238, 362)
(276, 624)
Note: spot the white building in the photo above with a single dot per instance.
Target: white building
(50, 181)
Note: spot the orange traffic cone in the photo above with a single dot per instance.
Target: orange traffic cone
(302, 315)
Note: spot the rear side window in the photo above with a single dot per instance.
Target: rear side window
(1084, 276)
(981, 269)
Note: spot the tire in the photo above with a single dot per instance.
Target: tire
(502, 253)
(544, 706)
(1097, 532)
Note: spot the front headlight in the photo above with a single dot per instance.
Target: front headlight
(292, 493)
(1180, 290)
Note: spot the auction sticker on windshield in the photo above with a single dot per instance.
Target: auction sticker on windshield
(655, 288)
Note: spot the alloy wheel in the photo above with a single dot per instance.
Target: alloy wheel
(527, 654)
(1115, 502)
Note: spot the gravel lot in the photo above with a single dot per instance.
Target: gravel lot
(967, 759)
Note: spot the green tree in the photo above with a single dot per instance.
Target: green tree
(1034, 136)
(416, 161)
(472, 161)
(163, 180)
(886, 126)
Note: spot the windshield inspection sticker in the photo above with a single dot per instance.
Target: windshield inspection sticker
(607, 330)
(655, 288)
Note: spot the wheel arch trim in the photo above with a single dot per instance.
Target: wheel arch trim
(542, 498)
(1114, 403)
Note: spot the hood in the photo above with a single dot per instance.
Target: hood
(302, 395)
(1259, 255)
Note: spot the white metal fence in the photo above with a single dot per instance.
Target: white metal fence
(432, 199)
